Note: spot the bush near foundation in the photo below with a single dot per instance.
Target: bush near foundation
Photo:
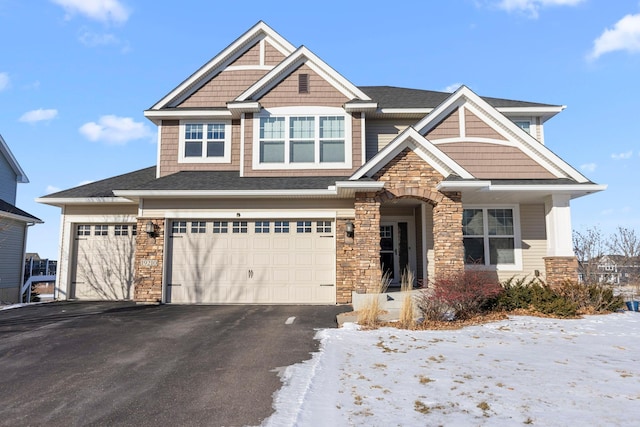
(458, 296)
(568, 299)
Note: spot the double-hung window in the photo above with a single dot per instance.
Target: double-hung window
(302, 139)
(205, 142)
(490, 236)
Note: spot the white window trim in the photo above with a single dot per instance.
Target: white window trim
(297, 112)
(517, 237)
(533, 127)
(226, 158)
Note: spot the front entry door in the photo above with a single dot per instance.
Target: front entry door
(394, 249)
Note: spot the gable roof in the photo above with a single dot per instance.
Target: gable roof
(302, 55)
(243, 43)
(410, 138)
(516, 135)
(21, 177)
(9, 211)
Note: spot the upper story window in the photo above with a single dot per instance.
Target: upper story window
(524, 125)
(302, 137)
(205, 142)
(490, 237)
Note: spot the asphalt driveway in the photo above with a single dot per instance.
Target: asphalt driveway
(123, 364)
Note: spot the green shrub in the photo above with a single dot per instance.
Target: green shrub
(516, 294)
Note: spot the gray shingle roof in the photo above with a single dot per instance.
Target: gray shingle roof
(399, 97)
(145, 179)
(9, 208)
(105, 187)
(224, 180)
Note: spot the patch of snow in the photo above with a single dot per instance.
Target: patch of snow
(524, 370)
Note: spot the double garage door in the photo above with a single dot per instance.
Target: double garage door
(261, 261)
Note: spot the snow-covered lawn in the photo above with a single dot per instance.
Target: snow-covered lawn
(524, 370)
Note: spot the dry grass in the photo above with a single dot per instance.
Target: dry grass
(407, 309)
(369, 314)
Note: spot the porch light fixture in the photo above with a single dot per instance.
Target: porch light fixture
(150, 229)
(348, 228)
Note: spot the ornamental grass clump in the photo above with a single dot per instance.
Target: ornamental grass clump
(369, 314)
(406, 319)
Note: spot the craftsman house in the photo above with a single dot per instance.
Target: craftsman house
(279, 181)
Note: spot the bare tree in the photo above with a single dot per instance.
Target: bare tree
(590, 246)
(625, 245)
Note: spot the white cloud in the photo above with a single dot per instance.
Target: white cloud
(85, 182)
(115, 130)
(4, 81)
(99, 10)
(532, 7)
(452, 87)
(588, 167)
(622, 156)
(607, 212)
(52, 189)
(38, 115)
(625, 35)
(90, 39)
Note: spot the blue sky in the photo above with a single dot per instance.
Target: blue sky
(76, 76)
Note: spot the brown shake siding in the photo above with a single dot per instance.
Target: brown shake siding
(449, 127)
(250, 57)
(382, 132)
(494, 161)
(271, 55)
(170, 146)
(356, 145)
(223, 88)
(475, 127)
(321, 93)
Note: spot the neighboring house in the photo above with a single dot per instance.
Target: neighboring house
(611, 269)
(14, 223)
(279, 181)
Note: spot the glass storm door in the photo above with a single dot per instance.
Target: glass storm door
(394, 249)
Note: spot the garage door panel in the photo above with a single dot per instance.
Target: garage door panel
(254, 267)
(103, 262)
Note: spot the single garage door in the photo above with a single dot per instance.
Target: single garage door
(260, 262)
(102, 267)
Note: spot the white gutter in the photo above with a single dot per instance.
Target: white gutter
(487, 186)
(81, 200)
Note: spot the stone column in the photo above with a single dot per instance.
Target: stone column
(448, 247)
(560, 262)
(367, 241)
(560, 269)
(148, 265)
(346, 263)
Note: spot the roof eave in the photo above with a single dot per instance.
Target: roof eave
(62, 201)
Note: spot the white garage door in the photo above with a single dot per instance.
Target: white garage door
(262, 262)
(102, 267)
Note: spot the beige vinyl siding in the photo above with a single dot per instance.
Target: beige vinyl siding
(106, 213)
(379, 133)
(7, 182)
(494, 161)
(170, 146)
(11, 257)
(476, 127)
(449, 127)
(321, 93)
(223, 88)
(534, 238)
(356, 147)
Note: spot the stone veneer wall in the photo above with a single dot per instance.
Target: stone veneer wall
(560, 268)
(346, 263)
(148, 265)
(448, 248)
(367, 242)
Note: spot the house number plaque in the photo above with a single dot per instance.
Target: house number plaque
(149, 262)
